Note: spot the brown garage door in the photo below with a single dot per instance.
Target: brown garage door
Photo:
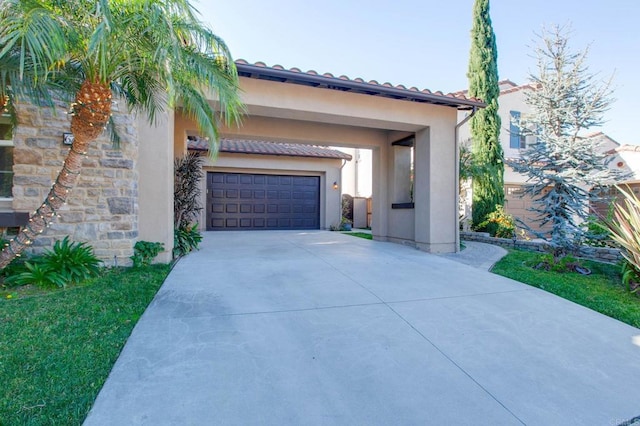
(237, 201)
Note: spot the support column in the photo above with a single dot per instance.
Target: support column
(380, 193)
(434, 194)
(156, 182)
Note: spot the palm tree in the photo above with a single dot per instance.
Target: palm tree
(153, 54)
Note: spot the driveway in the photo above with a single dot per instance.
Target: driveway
(320, 328)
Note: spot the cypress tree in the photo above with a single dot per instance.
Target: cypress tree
(488, 183)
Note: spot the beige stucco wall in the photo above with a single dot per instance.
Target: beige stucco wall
(301, 114)
(357, 174)
(156, 182)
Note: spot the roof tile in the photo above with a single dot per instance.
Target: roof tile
(447, 99)
(243, 146)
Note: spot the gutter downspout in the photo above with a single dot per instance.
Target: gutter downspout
(457, 174)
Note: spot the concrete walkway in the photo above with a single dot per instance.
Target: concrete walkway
(479, 255)
(320, 328)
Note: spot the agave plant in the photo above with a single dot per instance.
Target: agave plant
(625, 231)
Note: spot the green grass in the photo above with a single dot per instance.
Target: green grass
(364, 235)
(601, 291)
(57, 347)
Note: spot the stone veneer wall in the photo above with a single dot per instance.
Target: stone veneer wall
(600, 254)
(103, 208)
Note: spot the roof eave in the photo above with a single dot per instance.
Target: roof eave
(287, 76)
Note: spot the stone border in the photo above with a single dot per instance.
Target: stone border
(600, 254)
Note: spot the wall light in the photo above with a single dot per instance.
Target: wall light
(67, 138)
(335, 185)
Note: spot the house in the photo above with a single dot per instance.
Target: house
(512, 105)
(625, 158)
(126, 194)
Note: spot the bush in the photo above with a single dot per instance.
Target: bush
(186, 239)
(499, 224)
(75, 262)
(597, 233)
(624, 231)
(186, 194)
(144, 252)
(548, 262)
(347, 207)
(36, 274)
(64, 264)
(630, 277)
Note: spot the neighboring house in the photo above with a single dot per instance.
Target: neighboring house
(126, 194)
(512, 105)
(625, 158)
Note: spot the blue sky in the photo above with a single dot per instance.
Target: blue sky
(425, 43)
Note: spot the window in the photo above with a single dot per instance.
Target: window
(6, 157)
(516, 140)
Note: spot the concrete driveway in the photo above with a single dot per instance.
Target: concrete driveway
(319, 328)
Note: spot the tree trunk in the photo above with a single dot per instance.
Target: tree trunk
(90, 112)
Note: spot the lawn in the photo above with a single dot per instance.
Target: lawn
(365, 235)
(601, 291)
(58, 347)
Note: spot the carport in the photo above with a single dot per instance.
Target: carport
(411, 132)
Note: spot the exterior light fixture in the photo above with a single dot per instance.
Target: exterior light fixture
(335, 185)
(67, 138)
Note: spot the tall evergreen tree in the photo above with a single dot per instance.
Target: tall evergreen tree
(488, 184)
(564, 168)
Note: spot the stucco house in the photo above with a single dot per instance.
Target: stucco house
(126, 194)
(512, 105)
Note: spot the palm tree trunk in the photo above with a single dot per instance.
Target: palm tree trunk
(90, 112)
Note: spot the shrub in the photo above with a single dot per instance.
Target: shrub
(624, 231)
(186, 239)
(499, 224)
(630, 277)
(597, 234)
(548, 262)
(144, 252)
(36, 274)
(186, 195)
(75, 262)
(64, 264)
(347, 207)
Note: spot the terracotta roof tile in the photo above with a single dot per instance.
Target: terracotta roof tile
(514, 88)
(242, 146)
(458, 99)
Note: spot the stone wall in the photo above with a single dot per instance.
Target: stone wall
(103, 208)
(600, 254)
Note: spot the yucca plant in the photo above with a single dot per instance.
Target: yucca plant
(625, 231)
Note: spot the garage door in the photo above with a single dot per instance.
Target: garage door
(237, 201)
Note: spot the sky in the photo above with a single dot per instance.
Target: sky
(425, 43)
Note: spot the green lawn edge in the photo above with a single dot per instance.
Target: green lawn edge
(59, 347)
(365, 235)
(601, 291)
